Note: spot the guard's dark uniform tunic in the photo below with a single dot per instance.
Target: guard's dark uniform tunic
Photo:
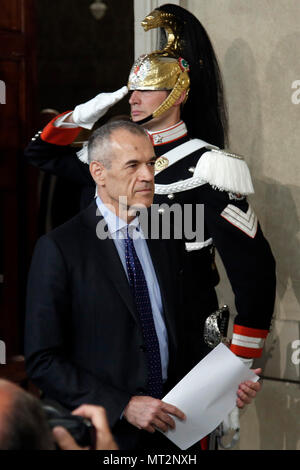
(230, 225)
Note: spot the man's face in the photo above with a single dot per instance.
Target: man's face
(144, 102)
(131, 173)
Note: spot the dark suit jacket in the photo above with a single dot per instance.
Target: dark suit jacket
(83, 340)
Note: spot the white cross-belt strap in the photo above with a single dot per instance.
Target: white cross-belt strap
(193, 246)
(179, 186)
(183, 150)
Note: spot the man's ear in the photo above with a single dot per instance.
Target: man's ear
(180, 99)
(97, 171)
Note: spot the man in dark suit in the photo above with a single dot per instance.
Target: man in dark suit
(102, 322)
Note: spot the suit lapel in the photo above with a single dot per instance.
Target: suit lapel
(116, 273)
(110, 260)
(162, 269)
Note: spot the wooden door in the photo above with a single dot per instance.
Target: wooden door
(17, 181)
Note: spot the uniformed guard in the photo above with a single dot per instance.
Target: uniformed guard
(192, 168)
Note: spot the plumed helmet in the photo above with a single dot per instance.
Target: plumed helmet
(182, 35)
(156, 71)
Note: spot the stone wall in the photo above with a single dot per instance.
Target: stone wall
(257, 46)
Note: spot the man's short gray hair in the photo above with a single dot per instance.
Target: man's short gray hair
(99, 144)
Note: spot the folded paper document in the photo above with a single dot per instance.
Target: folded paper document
(206, 395)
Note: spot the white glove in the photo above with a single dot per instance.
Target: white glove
(248, 362)
(230, 423)
(86, 114)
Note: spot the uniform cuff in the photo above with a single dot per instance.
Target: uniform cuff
(248, 342)
(59, 135)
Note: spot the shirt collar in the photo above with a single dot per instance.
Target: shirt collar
(115, 223)
(165, 136)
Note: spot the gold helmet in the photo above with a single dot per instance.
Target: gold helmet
(159, 72)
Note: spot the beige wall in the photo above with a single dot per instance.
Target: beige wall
(258, 46)
(257, 43)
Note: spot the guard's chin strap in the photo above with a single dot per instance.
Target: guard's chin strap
(143, 121)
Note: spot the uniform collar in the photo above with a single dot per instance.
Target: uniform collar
(168, 135)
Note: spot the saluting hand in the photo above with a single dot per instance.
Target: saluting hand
(86, 114)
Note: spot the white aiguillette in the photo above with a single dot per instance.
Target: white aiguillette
(206, 395)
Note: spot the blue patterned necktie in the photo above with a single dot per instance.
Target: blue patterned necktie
(141, 296)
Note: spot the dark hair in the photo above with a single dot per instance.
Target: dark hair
(205, 110)
(26, 425)
(99, 141)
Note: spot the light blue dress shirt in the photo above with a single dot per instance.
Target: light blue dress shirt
(118, 229)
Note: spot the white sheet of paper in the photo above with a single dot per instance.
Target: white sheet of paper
(206, 395)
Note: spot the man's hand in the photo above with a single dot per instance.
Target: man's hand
(97, 415)
(64, 440)
(86, 114)
(247, 391)
(149, 413)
